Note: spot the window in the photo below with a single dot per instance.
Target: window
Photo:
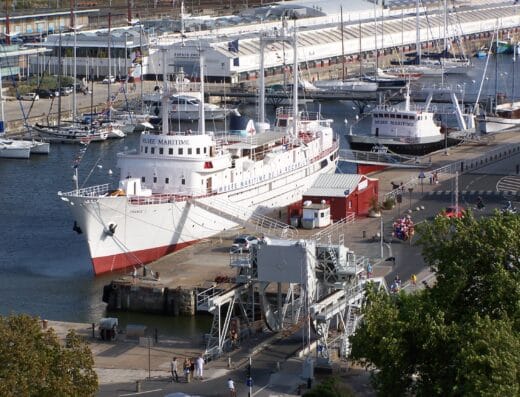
(198, 150)
(154, 179)
(143, 179)
(189, 150)
(161, 150)
(146, 149)
(170, 151)
(205, 150)
(180, 151)
(183, 181)
(323, 214)
(152, 150)
(166, 180)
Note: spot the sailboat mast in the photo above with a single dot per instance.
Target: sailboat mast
(342, 47)
(359, 56)
(515, 49)
(496, 69)
(109, 93)
(375, 39)
(445, 29)
(59, 79)
(2, 115)
(417, 32)
(73, 28)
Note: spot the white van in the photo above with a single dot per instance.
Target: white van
(30, 96)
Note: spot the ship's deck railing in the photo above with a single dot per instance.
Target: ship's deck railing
(91, 191)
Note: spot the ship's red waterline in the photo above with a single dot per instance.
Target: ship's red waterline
(110, 263)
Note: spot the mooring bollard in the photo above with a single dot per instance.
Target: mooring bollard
(93, 330)
(364, 234)
(229, 362)
(138, 386)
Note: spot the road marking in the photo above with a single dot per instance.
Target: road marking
(141, 392)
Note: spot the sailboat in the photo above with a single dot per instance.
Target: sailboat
(10, 148)
(504, 116)
(430, 64)
(348, 84)
(67, 132)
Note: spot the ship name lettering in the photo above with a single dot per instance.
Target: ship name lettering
(152, 141)
(136, 211)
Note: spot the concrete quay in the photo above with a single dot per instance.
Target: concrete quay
(480, 167)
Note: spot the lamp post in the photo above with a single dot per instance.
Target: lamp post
(381, 238)
(410, 190)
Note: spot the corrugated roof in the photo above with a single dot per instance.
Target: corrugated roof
(333, 185)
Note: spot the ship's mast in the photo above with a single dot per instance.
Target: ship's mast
(417, 32)
(202, 116)
(165, 96)
(295, 82)
(261, 100)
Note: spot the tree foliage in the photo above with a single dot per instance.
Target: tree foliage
(332, 386)
(460, 337)
(34, 363)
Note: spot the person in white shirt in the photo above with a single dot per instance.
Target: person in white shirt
(231, 387)
(200, 367)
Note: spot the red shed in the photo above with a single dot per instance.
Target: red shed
(345, 193)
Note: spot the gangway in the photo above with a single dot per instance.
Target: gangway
(214, 301)
(247, 217)
(381, 158)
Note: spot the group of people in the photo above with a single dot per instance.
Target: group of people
(396, 285)
(197, 366)
(403, 229)
(189, 368)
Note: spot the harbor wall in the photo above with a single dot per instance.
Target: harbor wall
(149, 298)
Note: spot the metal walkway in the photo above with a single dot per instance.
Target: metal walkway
(247, 218)
(379, 158)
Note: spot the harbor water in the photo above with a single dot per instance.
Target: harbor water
(45, 268)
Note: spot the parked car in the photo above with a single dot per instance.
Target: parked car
(453, 212)
(65, 91)
(42, 93)
(243, 242)
(109, 79)
(30, 96)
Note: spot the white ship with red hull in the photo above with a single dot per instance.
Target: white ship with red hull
(178, 188)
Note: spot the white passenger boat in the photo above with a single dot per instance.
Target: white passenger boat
(184, 108)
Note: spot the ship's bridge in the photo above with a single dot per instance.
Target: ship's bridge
(185, 145)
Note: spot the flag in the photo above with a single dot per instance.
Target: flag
(233, 46)
(236, 61)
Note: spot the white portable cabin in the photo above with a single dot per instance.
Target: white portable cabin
(315, 215)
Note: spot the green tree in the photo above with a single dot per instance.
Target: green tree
(461, 336)
(331, 386)
(35, 363)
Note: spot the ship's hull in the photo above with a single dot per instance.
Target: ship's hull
(400, 147)
(491, 124)
(14, 153)
(122, 232)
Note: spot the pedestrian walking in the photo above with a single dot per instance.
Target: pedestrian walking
(231, 387)
(134, 275)
(186, 368)
(200, 367)
(413, 279)
(369, 270)
(173, 369)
